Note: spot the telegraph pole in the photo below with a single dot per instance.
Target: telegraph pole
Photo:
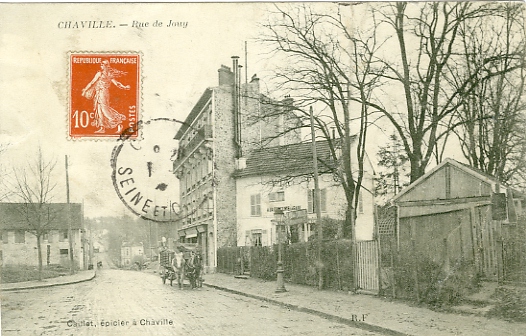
(70, 238)
(317, 201)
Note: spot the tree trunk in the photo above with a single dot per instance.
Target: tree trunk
(39, 250)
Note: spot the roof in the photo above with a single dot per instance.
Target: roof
(131, 244)
(19, 216)
(296, 158)
(194, 113)
(462, 166)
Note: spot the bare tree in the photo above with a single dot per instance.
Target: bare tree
(4, 190)
(492, 116)
(34, 186)
(429, 42)
(328, 66)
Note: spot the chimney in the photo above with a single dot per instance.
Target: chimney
(226, 76)
(254, 81)
(236, 98)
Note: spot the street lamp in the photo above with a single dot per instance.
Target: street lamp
(278, 217)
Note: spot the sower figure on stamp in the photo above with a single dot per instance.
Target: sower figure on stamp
(99, 90)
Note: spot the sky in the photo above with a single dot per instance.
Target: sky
(178, 64)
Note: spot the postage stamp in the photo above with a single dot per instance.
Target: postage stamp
(104, 95)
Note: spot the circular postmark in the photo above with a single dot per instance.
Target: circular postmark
(142, 171)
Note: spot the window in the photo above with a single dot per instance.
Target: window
(311, 205)
(45, 236)
(64, 252)
(63, 235)
(20, 236)
(278, 196)
(257, 239)
(5, 237)
(255, 205)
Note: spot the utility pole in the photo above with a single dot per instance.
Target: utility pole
(70, 238)
(317, 201)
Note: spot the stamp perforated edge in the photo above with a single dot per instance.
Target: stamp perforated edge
(140, 113)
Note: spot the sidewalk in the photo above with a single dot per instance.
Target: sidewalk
(80, 276)
(365, 311)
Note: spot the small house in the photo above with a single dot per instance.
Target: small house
(456, 213)
(280, 178)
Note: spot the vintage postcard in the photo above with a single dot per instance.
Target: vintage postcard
(263, 168)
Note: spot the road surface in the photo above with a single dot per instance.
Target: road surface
(121, 302)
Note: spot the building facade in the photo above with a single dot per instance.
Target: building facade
(279, 178)
(222, 128)
(60, 223)
(129, 251)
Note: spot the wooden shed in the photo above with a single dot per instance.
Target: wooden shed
(456, 213)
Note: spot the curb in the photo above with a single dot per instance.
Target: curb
(339, 319)
(49, 285)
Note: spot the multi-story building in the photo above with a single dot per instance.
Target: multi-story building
(223, 127)
(280, 178)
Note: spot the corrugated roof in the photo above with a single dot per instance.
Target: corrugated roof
(194, 113)
(19, 216)
(294, 159)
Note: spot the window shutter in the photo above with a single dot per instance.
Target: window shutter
(247, 238)
(310, 204)
(264, 238)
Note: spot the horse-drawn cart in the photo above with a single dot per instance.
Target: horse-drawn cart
(165, 261)
(184, 263)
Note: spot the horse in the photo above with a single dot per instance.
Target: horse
(193, 270)
(179, 266)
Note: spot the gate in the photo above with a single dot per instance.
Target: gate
(514, 252)
(367, 266)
